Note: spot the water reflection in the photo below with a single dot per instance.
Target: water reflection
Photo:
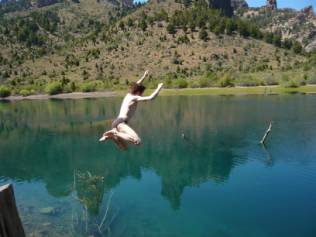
(55, 138)
(49, 140)
(55, 142)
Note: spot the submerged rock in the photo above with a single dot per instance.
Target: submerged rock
(48, 211)
(46, 224)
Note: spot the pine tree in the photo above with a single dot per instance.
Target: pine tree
(203, 35)
(297, 47)
(171, 28)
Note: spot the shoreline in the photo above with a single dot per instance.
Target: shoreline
(237, 91)
(242, 91)
(74, 95)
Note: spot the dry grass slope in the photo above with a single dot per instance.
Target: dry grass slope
(132, 50)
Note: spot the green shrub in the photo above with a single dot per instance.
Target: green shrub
(54, 88)
(72, 60)
(183, 39)
(4, 91)
(88, 87)
(194, 84)
(226, 81)
(297, 47)
(291, 84)
(72, 86)
(171, 29)
(69, 87)
(152, 85)
(248, 81)
(203, 82)
(181, 83)
(271, 81)
(207, 80)
(177, 59)
(168, 82)
(203, 35)
(312, 80)
(25, 92)
(285, 78)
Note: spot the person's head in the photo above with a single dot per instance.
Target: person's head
(136, 89)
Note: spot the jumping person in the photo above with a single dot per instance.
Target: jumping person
(121, 133)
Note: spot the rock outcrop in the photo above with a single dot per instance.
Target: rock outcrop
(292, 24)
(237, 4)
(44, 3)
(126, 3)
(224, 5)
(272, 4)
(309, 11)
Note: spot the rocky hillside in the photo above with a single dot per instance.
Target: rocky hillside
(8, 6)
(100, 44)
(289, 23)
(36, 32)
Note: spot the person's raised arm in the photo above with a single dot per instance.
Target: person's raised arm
(143, 77)
(152, 96)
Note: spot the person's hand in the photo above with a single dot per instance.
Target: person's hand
(146, 73)
(160, 85)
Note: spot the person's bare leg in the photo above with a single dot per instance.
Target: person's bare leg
(110, 135)
(120, 143)
(127, 134)
(121, 135)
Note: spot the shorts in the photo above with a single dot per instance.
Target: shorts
(118, 121)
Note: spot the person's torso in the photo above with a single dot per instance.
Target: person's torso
(128, 107)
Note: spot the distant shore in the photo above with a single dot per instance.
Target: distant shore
(74, 95)
(258, 90)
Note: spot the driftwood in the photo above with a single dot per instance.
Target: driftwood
(10, 222)
(266, 134)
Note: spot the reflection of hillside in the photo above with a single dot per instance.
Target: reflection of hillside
(56, 114)
(49, 140)
(55, 138)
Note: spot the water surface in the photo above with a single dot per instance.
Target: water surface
(217, 181)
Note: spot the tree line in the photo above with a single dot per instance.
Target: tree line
(27, 29)
(197, 16)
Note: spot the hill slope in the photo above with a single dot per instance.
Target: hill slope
(96, 44)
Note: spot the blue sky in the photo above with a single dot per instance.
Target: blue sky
(297, 4)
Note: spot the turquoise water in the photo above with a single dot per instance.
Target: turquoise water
(217, 181)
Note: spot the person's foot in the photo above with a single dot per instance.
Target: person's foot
(104, 138)
(137, 142)
(108, 135)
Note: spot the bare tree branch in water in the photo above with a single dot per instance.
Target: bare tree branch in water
(266, 134)
(107, 209)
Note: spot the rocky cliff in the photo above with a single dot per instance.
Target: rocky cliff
(272, 4)
(237, 4)
(291, 24)
(44, 3)
(224, 5)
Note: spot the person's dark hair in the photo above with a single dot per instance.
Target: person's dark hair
(136, 89)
